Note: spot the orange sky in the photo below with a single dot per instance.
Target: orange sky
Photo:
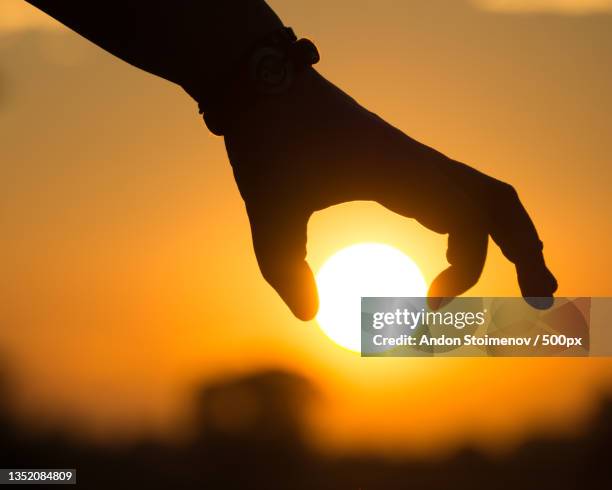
(128, 273)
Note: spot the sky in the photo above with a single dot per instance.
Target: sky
(128, 274)
(558, 6)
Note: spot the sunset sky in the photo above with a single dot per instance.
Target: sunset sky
(128, 275)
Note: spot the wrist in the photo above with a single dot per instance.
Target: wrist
(215, 62)
(269, 68)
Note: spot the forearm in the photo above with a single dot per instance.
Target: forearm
(193, 43)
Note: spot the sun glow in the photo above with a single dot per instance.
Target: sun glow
(364, 269)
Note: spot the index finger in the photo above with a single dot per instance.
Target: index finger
(513, 230)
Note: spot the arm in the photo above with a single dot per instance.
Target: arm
(192, 43)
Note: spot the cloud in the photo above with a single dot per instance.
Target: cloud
(568, 7)
(17, 15)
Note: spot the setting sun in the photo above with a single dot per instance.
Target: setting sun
(365, 269)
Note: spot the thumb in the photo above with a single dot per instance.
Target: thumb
(279, 240)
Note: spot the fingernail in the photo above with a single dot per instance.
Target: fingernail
(540, 302)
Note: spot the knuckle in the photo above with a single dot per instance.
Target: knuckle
(507, 192)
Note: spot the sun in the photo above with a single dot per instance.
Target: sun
(364, 269)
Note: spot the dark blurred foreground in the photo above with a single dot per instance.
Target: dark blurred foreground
(249, 433)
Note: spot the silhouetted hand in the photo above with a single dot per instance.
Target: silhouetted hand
(313, 147)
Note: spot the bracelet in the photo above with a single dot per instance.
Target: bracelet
(268, 69)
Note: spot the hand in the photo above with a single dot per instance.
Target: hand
(314, 146)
